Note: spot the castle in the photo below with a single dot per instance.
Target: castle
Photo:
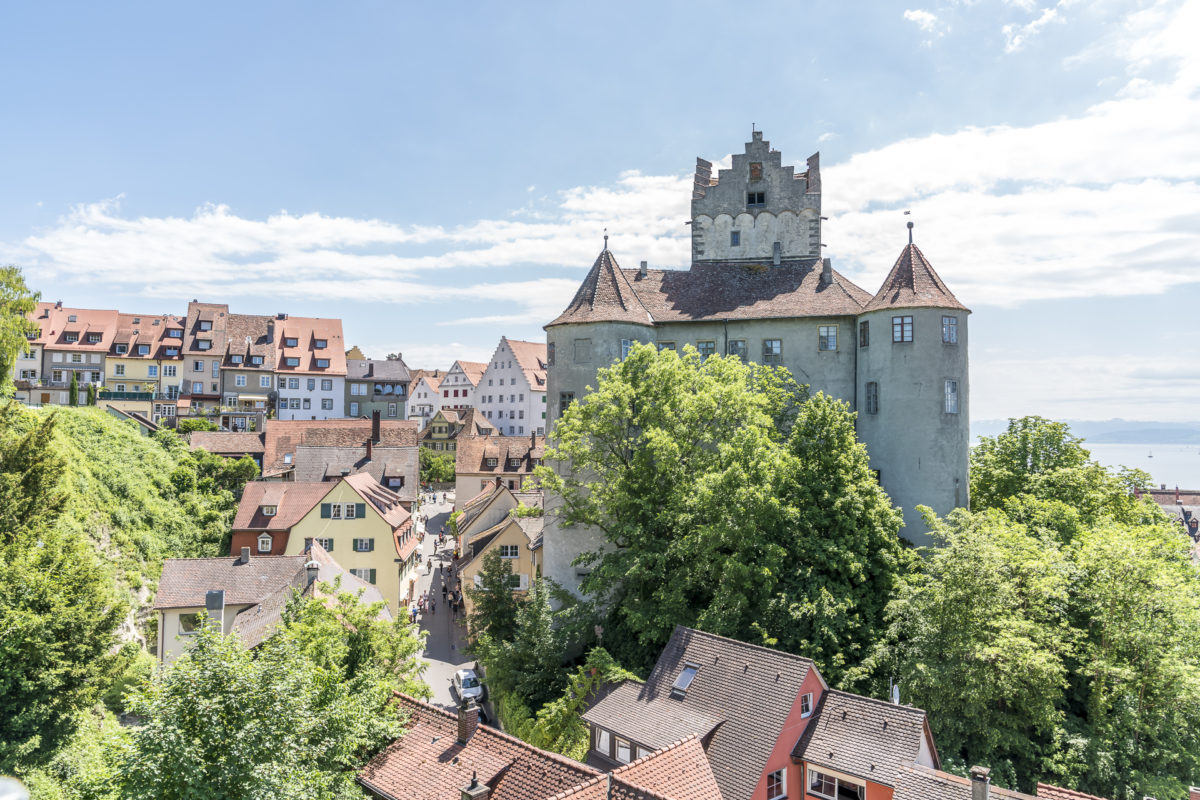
(758, 288)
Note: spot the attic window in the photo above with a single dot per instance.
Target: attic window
(256, 360)
(291, 342)
(806, 705)
(122, 349)
(756, 198)
(206, 325)
(143, 349)
(175, 333)
(235, 359)
(269, 511)
(513, 463)
(71, 337)
(321, 344)
(322, 363)
(72, 318)
(686, 676)
(287, 458)
(291, 362)
(203, 344)
(491, 462)
(93, 338)
(264, 544)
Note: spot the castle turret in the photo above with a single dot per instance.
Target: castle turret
(913, 391)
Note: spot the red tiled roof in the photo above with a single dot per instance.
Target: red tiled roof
(916, 782)
(473, 370)
(472, 453)
(291, 500)
(428, 763)
(532, 358)
(385, 501)
(1059, 793)
(284, 436)
(680, 770)
(605, 296)
(912, 283)
(227, 442)
(249, 335)
(134, 330)
(306, 331)
(215, 313)
(55, 322)
(185, 581)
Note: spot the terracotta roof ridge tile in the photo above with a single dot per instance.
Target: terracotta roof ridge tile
(749, 645)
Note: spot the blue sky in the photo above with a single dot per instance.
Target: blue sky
(438, 175)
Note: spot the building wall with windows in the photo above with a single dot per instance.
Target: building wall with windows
(373, 385)
(425, 397)
(310, 368)
(507, 397)
(176, 626)
(458, 388)
(508, 539)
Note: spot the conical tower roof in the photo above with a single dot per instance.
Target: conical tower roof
(912, 283)
(605, 296)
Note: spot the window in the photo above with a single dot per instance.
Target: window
(95, 377)
(189, 623)
(872, 398)
(326, 384)
(291, 362)
(175, 333)
(235, 359)
(805, 705)
(756, 198)
(736, 347)
(216, 368)
(950, 330)
(172, 351)
(514, 463)
(287, 458)
(583, 351)
(706, 349)
(294, 403)
(197, 387)
(391, 409)
(269, 511)
(367, 575)
(603, 741)
(735, 238)
(120, 387)
(93, 338)
(516, 581)
(827, 337)
(777, 784)
(152, 371)
(864, 334)
(622, 754)
(902, 329)
(119, 369)
(322, 363)
(666, 345)
(626, 344)
(206, 325)
(684, 680)
(311, 383)
(256, 360)
(359, 389)
(56, 375)
(121, 349)
(292, 383)
(320, 344)
(239, 380)
(549, 357)
(197, 366)
(76, 358)
(509, 551)
(72, 318)
(308, 403)
(491, 462)
(564, 401)
(364, 545)
(354, 409)
(169, 370)
(833, 788)
(203, 344)
(143, 349)
(326, 404)
(264, 381)
(951, 397)
(264, 544)
(772, 351)
(291, 341)
(71, 338)
(335, 510)
(326, 543)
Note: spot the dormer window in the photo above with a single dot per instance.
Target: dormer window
(122, 349)
(321, 344)
(256, 360)
(686, 676)
(206, 324)
(93, 338)
(70, 338)
(291, 362)
(287, 458)
(264, 543)
(322, 363)
(806, 704)
(269, 511)
(172, 351)
(491, 462)
(203, 344)
(143, 349)
(175, 333)
(513, 463)
(291, 341)
(72, 318)
(33, 335)
(235, 359)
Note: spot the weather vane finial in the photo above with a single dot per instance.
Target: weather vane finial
(910, 227)
(606, 239)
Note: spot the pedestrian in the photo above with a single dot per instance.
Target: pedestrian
(443, 590)
(433, 606)
(412, 614)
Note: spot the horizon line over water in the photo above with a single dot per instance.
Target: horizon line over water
(1170, 464)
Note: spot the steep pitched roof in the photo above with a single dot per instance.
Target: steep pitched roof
(532, 358)
(915, 782)
(385, 501)
(54, 322)
(473, 370)
(746, 691)
(912, 283)
(605, 296)
(472, 453)
(1058, 793)
(292, 500)
(428, 763)
(330, 463)
(384, 370)
(227, 442)
(281, 436)
(650, 720)
(249, 335)
(305, 331)
(862, 736)
(185, 581)
(679, 771)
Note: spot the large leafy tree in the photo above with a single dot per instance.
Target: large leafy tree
(59, 611)
(728, 500)
(494, 605)
(16, 301)
(436, 467)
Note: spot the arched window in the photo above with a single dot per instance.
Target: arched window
(264, 543)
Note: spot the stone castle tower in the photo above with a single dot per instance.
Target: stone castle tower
(758, 288)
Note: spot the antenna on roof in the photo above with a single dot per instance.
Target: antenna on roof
(751, 128)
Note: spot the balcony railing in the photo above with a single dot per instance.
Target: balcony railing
(107, 395)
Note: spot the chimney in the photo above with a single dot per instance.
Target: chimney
(980, 778)
(245, 555)
(475, 790)
(468, 720)
(642, 270)
(1178, 502)
(375, 426)
(311, 570)
(58, 304)
(826, 272)
(369, 443)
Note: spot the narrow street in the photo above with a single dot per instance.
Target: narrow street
(445, 638)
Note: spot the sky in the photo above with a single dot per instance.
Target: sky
(440, 175)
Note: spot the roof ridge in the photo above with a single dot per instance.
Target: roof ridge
(253, 557)
(671, 746)
(747, 644)
(877, 701)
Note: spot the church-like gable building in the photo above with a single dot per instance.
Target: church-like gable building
(758, 288)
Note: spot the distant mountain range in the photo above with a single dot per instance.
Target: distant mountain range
(1113, 431)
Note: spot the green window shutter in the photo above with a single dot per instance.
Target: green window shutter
(370, 545)
(360, 510)
(329, 545)
(325, 512)
(372, 578)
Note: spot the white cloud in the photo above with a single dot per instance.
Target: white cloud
(1015, 36)
(925, 20)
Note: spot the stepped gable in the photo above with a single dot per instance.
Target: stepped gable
(912, 283)
(605, 296)
(743, 290)
(532, 358)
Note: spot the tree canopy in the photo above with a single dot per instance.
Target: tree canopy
(436, 467)
(16, 301)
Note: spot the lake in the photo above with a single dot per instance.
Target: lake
(1172, 464)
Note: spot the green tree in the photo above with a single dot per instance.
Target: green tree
(494, 605)
(59, 611)
(980, 641)
(222, 723)
(91, 394)
(73, 389)
(436, 468)
(195, 424)
(530, 663)
(16, 304)
(735, 503)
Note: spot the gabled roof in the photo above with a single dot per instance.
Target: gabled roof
(472, 370)
(216, 314)
(605, 296)
(292, 500)
(135, 330)
(744, 690)
(375, 369)
(428, 763)
(227, 442)
(472, 453)
(248, 335)
(185, 581)
(54, 322)
(386, 502)
(331, 463)
(306, 331)
(432, 377)
(912, 283)
(281, 436)
(532, 358)
(860, 736)
(679, 771)
(915, 782)
(1059, 793)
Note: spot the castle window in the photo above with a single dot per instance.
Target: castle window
(706, 349)
(564, 401)
(583, 351)
(951, 397)
(549, 358)
(902, 329)
(872, 398)
(772, 351)
(735, 238)
(950, 330)
(864, 334)
(827, 337)
(626, 346)
(666, 345)
(756, 198)
(736, 347)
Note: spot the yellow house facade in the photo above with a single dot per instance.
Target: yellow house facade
(142, 367)
(518, 540)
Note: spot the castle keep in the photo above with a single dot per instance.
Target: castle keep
(759, 289)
